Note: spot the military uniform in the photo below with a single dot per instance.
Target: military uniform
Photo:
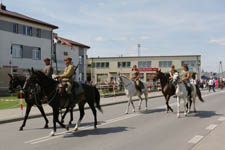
(68, 77)
(48, 70)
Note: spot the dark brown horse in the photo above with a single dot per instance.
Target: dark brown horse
(168, 89)
(16, 83)
(55, 99)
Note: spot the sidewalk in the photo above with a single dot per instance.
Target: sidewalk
(10, 115)
(214, 140)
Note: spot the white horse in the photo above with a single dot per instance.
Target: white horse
(130, 90)
(182, 93)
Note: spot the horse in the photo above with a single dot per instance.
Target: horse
(167, 89)
(16, 83)
(50, 87)
(182, 93)
(130, 90)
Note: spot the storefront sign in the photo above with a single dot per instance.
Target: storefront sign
(147, 69)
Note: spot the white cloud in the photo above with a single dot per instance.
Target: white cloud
(218, 41)
(99, 39)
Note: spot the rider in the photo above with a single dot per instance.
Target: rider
(136, 77)
(185, 76)
(68, 75)
(48, 70)
(172, 72)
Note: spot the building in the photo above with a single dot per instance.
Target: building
(25, 42)
(105, 69)
(64, 47)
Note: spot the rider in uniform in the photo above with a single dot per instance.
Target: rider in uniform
(48, 70)
(185, 76)
(68, 75)
(136, 77)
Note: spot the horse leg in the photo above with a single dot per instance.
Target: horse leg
(146, 101)
(64, 115)
(81, 108)
(44, 115)
(140, 101)
(128, 105)
(185, 109)
(178, 107)
(71, 115)
(169, 104)
(92, 106)
(132, 104)
(26, 116)
(54, 123)
(57, 120)
(194, 100)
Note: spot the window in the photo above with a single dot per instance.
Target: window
(65, 53)
(165, 63)
(107, 65)
(98, 65)
(38, 33)
(123, 64)
(144, 64)
(16, 51)
(189, 63)
(81, 60)
(36, 53)
(15, 28)
(102, 64)
(27, 30)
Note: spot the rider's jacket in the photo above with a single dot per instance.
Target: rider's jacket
(184, 75)
(68, 73)
(135, 74)
(48, 70)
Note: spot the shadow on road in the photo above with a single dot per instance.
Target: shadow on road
(98, 131)
(204, 114)
(152, 111)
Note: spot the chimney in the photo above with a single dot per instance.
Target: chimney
(2, 7)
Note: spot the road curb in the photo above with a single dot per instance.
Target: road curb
(48, 114)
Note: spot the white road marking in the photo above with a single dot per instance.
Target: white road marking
(211, 127)
(195, 139)
(221, 119)
(61, 134)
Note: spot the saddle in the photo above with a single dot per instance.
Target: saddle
(70, 99)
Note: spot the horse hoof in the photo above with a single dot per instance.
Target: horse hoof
(46, 126)
(21, 129)
(185, 114)
(70, 122)
(75, 129)
(134, 110)
(95, 127)
(52, 133)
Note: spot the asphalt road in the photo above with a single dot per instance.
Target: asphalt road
(145, 130)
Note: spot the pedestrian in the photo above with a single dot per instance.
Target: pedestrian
(211, 84)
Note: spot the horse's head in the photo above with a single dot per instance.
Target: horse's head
(176, 78)
(15, 83)
(159, 75)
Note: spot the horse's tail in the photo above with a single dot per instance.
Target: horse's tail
(198, 92)
(97, 100)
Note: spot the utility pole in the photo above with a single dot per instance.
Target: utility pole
(139, 49)
(220, 73)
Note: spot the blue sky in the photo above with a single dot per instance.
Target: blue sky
(114, 27)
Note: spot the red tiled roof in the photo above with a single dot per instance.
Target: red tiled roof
(26, 18)
(75, 43)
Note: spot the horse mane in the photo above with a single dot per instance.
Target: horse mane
(43, 77)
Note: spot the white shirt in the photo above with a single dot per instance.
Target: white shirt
(211, 82)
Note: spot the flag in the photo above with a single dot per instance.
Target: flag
(65, 42)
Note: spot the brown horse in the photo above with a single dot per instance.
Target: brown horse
(168, 89)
